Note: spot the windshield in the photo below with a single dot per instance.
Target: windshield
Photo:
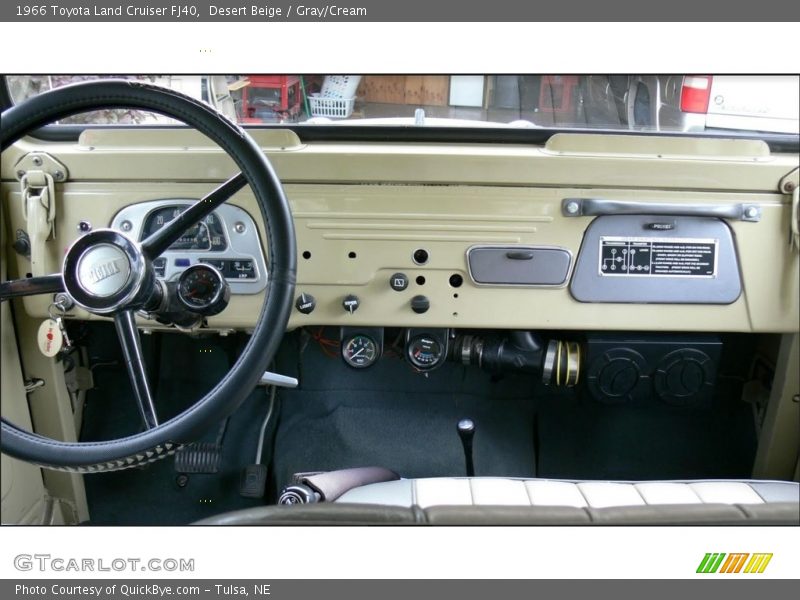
(647, 103)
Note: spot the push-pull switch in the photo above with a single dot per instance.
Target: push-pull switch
(306, 303)
(350, 303)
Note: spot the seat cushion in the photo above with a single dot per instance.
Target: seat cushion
(492, 491)
(333, 513)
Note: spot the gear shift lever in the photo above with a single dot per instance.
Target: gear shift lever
(466, 431)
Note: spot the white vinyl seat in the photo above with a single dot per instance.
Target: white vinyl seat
(343, 500)
(496, 491)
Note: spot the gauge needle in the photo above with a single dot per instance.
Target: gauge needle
(357, 353)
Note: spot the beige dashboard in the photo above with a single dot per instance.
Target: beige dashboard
(362, 209)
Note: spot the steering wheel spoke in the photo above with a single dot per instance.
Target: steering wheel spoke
(45, 284)
(134, 362)
(162, 239)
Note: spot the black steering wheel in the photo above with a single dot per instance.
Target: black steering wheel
(127, 286)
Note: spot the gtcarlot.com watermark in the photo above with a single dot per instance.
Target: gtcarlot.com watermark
(45, 563)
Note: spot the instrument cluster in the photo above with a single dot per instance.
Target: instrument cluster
(227, 240)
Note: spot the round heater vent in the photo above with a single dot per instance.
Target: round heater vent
(684, 377)
(615, 376)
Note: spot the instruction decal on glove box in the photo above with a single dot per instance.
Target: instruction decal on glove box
(658, 257)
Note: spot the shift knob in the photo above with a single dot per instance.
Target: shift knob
(466, 428)
(466, 431)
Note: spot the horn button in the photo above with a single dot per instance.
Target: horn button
(105, 271)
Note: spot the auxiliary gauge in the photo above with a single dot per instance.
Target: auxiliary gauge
(202, 289)
(360, 351)
(425, 351)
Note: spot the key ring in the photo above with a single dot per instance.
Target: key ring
(59, 307)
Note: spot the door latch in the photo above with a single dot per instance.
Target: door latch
(39, 209)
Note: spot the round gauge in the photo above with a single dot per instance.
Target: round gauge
(202, 288)
(424, 352)
(359, 351)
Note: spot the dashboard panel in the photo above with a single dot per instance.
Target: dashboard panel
(353, 241)
(362, 213)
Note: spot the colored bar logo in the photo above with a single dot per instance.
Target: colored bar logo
(737, 562)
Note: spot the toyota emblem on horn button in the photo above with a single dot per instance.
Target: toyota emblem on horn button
(103, 270)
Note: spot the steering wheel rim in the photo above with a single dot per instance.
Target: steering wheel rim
(164, 439)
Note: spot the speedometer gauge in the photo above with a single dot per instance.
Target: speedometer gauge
(359, 351)
(206, 235)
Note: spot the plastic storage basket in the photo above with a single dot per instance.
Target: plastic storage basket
(339, 108)
(340, 86)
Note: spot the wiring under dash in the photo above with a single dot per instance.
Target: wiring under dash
(329, 347)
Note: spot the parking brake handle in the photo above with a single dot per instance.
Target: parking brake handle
(270, 378)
